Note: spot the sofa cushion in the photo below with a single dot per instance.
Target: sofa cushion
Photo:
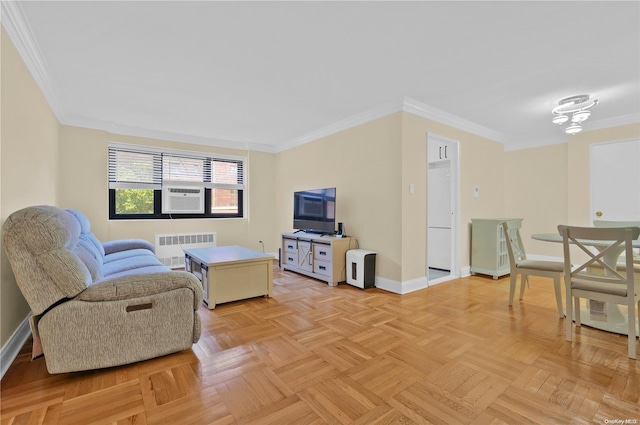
(131, 264)
(90, 248)
(126, 254)
(141, 270)
(86, 234)
(111, 247)
(90, 262)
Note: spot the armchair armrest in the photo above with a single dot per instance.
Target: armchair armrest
(141, 285)
(125, 244)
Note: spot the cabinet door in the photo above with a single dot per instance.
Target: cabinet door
(305, 256)
(439, 248)
(437, 151)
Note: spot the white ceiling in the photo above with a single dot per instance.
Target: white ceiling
(270, 75)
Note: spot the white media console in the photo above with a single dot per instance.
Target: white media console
(320, 257)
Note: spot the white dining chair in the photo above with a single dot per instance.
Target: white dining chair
(614, 286)
(636, 253)
(524, 267)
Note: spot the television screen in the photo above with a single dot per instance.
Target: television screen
(314, 211)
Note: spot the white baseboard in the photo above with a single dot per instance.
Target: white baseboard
(10, 350)
(465, 271)
(401, 287)
(415, 284)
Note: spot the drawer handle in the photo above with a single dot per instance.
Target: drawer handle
(322, 268)
(290, 246)
(323, 253)
(289, 258)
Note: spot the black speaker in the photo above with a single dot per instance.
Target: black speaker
(340, 228)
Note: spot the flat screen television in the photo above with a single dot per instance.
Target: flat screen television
(314, 211)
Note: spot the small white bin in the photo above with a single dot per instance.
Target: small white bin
(361, 268)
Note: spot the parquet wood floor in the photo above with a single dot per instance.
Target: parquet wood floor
(454, 353)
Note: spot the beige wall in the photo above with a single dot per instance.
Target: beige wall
(372, 166)
(481, 163)
(536, 191)
(29, 164)
(549, 185)
(83, 185)
(364, 165)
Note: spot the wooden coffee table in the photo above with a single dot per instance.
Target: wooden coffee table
(230, 273)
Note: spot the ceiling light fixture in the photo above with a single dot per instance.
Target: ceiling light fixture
(560, 119)
(578, 106)
(573, 129)
(580, 116)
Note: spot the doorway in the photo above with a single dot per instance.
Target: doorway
(442, 209)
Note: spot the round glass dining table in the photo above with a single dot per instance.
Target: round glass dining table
(615, 320)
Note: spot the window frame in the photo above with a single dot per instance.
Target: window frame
(208, 186)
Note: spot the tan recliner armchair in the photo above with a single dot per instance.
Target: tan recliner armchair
(94, 308)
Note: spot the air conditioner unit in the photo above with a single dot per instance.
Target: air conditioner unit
(182, 200)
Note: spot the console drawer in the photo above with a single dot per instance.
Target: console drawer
(322, 267)
(290, 245)
(289, 251)
(322, 252)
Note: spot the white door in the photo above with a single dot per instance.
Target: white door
(443, 224)
(439, 201)
(615, 181)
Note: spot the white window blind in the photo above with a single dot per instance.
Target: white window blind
(148, 168)
(131, 168)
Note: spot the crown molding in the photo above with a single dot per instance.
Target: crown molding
(536, 143)
(563, 138)
(14, 22)
(125, 130)
(406, 104)
(344, 124)
(429, 112)
(633, 118)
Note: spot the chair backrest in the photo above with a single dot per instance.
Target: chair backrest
(608, 240)
(514, 244)
(41, 243)
(609, 223)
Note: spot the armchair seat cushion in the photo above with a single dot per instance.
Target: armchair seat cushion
(139, 271)
(132, 264)
(120, 255)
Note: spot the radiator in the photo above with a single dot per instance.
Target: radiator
(170, 248)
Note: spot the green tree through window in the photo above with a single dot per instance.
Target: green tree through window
(134, 201)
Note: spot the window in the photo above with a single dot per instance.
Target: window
(137, 174)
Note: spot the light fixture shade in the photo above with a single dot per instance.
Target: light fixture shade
(574, 103)
(573, 129)
(578, 107)
(560, 119)
(580, 116)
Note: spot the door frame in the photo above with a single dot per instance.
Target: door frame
(455, 208)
